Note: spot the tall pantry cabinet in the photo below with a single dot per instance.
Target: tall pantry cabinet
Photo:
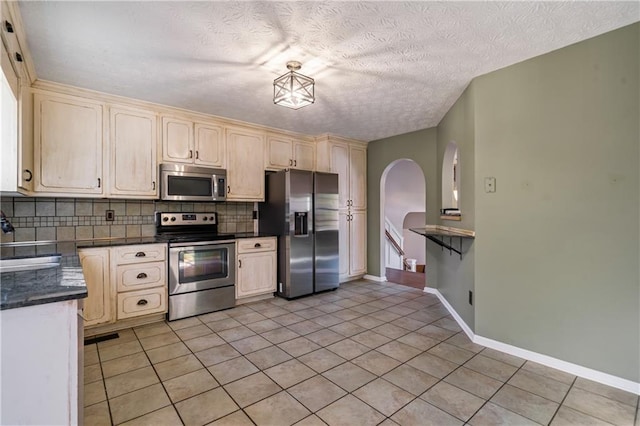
(348, 158)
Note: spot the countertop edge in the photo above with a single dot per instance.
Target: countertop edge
(61, 297)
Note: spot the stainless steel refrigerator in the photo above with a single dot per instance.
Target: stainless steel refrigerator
(301, 209)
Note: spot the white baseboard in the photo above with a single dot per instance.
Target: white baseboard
(558, 364)
(375, 278)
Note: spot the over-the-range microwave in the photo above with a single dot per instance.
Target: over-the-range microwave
(180, 182)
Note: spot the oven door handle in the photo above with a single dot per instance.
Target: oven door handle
(200, 244)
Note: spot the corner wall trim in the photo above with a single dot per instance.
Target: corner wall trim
(467, 330)
(558, 364)
(375, 278)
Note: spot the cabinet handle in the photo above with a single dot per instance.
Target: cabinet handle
(190, 153)
(239, 263)
(99, 182)
(8, 26)
(295, 163)
(141, 276)
(228, 190)
(30, 175)
(142, 302)
(257, 245)
(291, 162)
(197, 155)
(141, 254)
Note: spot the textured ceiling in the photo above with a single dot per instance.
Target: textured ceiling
(381, 68)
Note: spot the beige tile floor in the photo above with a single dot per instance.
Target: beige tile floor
(365, 354)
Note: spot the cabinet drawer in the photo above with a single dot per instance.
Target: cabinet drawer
(255, 245)
(142, 302)
(140, 253)
(139, 276)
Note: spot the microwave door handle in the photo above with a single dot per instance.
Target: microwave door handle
(214, 187)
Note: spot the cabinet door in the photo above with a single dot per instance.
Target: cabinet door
(98, 306)
(245, 165)
(339, 154)
(177, 140)
(133, 153)
(343, 243)
(358, 177)
(304, 155)
(279, 153)
(357, 243)
(68, 145)
(256, 274)
(210, 146)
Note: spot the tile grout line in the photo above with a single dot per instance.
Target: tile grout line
(573, 382)
(361, 314)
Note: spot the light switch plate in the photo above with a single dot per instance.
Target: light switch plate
(489, 184)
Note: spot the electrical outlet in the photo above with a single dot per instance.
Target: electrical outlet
(470, 297)
(110, 215)
(489, 184)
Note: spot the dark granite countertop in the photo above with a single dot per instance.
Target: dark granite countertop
(66, 281)
(113, 242)
(40, 286)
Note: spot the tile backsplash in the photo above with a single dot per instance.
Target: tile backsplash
(72, 219)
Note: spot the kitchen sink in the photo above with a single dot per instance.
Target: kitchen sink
(29, 263)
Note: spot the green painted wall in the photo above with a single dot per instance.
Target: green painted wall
(418, 146)
(557, 253)
(455, 276)
(556, 260)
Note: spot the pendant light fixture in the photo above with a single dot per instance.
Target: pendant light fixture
(293, 90)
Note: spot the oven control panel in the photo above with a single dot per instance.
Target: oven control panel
(182, 219)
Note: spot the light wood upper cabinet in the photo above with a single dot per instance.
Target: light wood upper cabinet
(133, 166)
(304, 155)
(209, 145)
(99, 305)
(340, 164)
(68, 148)
(186, 141)
(349, 161)
(177, 140)
(283, 152)
(245, 164)
(357, 177)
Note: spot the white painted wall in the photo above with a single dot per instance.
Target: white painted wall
(405, 193)
(414, 243)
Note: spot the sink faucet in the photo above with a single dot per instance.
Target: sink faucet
(6, 226)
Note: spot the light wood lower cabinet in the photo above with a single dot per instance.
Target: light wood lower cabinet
(98, 305)
(143, 302)
(256, 267)
(140, 274)
(124, 282)
(352, 243)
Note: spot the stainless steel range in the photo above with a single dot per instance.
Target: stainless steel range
(201, 263)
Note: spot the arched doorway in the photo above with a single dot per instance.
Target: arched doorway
(402, 193)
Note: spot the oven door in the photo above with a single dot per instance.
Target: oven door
(201, 266)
